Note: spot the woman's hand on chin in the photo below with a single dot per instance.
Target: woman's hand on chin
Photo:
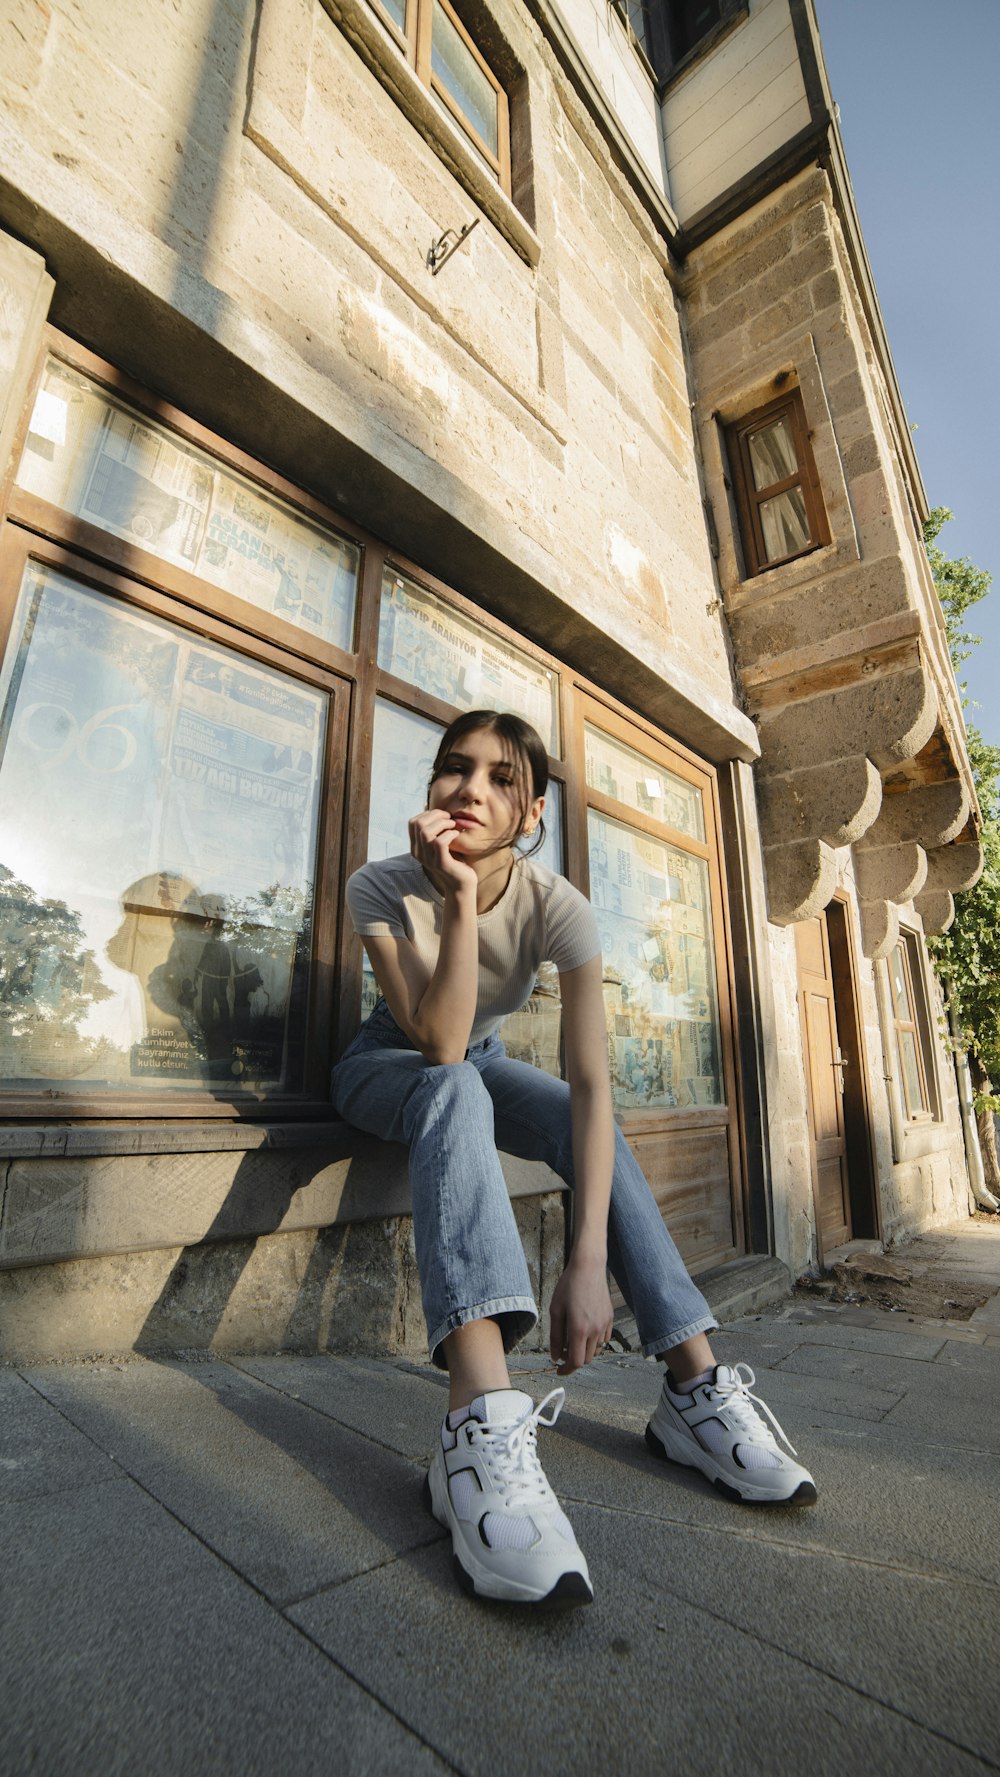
(432, 835)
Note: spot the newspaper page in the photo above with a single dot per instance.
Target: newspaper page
(425, 642)
(94, 456)
(626, 776)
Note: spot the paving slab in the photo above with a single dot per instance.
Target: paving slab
(641, 1682)
(952, 1416)
(883, 1341)
(883, 1491)
(126, 1647)
(288, 1497)
(371, 1397)
(978, 1360)
(40, 1452)
(879, 1319)
(895, 1499)
(227, 1565)
(921, 1645)
(893, 1378)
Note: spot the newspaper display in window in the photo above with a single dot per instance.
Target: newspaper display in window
(654, 917)
(101, 460)
(425, 642)
(618, 771)
(158, 817)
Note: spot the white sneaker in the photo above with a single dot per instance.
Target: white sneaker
(716, 1428)
(510, 1536)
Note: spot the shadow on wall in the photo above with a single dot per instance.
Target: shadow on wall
(217, 108)
(349, 1287)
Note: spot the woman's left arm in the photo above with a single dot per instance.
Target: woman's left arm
(581, 1314)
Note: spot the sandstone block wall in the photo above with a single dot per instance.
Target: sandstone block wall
(347, 1288)
(258, 180)
(840, 652)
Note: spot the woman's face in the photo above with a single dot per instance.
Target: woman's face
(480, 784)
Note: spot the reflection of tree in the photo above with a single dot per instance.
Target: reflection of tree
(49, 979)
(274, 927)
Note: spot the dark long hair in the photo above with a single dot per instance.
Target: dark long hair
(526, 746)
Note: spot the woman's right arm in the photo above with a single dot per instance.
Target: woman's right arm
(436, 1010)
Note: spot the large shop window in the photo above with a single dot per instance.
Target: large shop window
(448, 62)
(162, 765)
(217, 699)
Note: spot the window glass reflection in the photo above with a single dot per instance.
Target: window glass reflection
(429, 644)
(462, 78)
(158, 817)
(618, 771)
(784, 523)
(654, 916)
(92, 455)
(772, 453)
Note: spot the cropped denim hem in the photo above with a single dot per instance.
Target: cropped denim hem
(667, 1341)
(453, 1118)
(515, 1316)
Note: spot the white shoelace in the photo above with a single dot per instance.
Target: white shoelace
(735, 1398)
(512, 1449)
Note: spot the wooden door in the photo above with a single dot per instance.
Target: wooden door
(825, 1074)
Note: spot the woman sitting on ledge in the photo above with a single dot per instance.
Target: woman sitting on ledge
(456, 931)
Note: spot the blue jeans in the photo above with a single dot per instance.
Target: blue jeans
(453, 1118)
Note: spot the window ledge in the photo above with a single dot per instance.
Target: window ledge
(86, 1202)
(916, 1138)
(47, 1141)
(391, 69)
(787, 576)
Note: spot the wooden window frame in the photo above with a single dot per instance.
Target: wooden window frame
(749, 499)
(34, 528)
(415, 42)
(918, 1025)
(593, 707)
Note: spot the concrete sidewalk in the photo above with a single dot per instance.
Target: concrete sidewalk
(226, 1566)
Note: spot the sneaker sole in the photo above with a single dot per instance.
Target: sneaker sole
(804, 1494)
(569, 1591)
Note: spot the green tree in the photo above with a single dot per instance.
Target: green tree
(968, 956)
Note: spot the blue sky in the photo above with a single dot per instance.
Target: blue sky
(917, 88)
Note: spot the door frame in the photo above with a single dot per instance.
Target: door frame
(862, 1176)
(863, 1196)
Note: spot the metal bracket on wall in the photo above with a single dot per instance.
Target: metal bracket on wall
(441, 250)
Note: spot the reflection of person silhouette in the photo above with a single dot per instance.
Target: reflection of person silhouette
(214, 997)
(171, 939)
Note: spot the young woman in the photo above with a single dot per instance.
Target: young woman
(455, 932)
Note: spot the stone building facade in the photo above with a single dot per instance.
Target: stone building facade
(360, 363)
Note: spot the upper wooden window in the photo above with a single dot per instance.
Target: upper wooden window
(671, 33)
(451, 66)
(777, 489)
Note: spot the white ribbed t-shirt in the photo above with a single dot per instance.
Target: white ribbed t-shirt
(540, 917)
